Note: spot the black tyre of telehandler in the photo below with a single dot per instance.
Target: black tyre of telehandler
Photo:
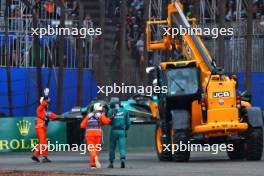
(181, 137)
(254, 144)
(163, 155)
(239, 152)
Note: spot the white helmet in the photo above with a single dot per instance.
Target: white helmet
(98, 107)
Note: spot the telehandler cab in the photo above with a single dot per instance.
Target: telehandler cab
(202, 103)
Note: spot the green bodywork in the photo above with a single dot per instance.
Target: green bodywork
(137, 106)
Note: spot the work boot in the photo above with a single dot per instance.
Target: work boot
(35, 158)
(97, 163)
(111, 165)
(45, 160)
(123, 163)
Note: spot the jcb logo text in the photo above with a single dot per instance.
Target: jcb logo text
(221, 94)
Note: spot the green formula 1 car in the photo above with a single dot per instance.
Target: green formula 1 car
(140, 108)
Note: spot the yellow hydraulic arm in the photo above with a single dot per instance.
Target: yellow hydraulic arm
(219, 112)
(191, 43)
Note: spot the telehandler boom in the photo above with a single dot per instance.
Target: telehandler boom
(202, 104)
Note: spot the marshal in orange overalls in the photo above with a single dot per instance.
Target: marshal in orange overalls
(93, 123)
(42, 128)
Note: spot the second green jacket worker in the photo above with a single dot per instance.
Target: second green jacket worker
(120, 124)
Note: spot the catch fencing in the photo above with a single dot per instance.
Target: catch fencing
(235, 47)
(20, 41)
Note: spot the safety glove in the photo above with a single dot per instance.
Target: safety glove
(46, 92)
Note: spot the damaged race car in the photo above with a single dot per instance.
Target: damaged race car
(142, 109)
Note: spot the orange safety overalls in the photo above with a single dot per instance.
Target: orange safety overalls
(41, 128)
(93, 123)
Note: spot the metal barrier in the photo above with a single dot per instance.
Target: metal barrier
(21, 53)
(235, 53)
(235, 47)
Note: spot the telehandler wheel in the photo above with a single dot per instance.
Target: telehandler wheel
(239, 152)
(180, 137)
(163, 155)
(254, 144)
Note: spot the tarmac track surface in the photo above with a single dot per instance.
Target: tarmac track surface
(143, 162)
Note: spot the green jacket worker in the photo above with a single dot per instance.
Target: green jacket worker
(119, 125)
